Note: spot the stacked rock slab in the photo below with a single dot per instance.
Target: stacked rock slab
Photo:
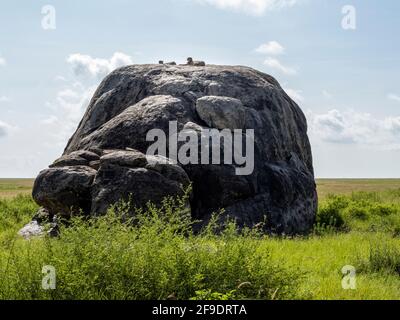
(104, 161)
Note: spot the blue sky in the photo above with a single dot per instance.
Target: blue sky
(346, 81)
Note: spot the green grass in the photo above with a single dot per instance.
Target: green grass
(157, 256)
(152, 257)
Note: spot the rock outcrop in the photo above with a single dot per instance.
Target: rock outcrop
(105, 160)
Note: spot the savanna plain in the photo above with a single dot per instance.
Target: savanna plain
(156, 256)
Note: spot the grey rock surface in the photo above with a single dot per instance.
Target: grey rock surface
(42, 223)
(64, 190)
(221, 112)
(104, 159)
(76, 158)
(128, 175)
(31, 230)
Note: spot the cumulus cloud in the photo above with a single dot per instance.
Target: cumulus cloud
(393, 125)
(253, 7)
(87, 66)
(394, 97)
(68, 108)
(274, 48)
(296, 95)
(72, 100)
(277, 65)
(58, 121)
(271, 48)
(350, 127)
(5, 129)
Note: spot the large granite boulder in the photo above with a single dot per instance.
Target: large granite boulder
(107, 157)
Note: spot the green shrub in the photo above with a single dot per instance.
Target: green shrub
(356, 211)
(361, 211)
(329, 214)
(152, 256)
(383, 210)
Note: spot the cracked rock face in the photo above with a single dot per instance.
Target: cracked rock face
(105, 159)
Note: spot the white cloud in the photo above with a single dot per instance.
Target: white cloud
(60, 78)
(394, 97)
(274, 48)
(72, 100)
(87, 66)
(56, 124)
(393, 125)
(253, 7)
(68, 108)
(350, 127)
(4, 99)
(276, 64)
(50, 120)
(5, 129)
(271, 48)
(3, 61)
(327, 94)
(296, 95)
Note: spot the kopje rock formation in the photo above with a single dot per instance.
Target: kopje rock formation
(105, 159)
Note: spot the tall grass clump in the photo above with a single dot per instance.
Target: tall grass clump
(14, 213)
(153, 255)
(383, 257)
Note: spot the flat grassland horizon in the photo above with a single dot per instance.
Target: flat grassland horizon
(357, 226)
(11, 187)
